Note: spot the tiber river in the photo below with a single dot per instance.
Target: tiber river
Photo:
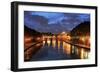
(58, 50)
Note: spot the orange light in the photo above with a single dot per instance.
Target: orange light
(38, 38)
(66, 48)
(27, 39)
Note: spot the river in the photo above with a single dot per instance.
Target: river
(58, 50)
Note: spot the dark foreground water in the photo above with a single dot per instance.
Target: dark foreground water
(59, 50)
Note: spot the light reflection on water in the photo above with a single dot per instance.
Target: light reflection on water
(53, 43)
(67, 49)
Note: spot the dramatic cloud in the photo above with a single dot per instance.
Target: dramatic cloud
(53, 22)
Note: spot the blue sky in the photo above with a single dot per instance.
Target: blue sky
(53, 22)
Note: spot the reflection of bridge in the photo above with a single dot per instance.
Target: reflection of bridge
(69, 48)
(54, 39)
(60, 46)
(67, 40)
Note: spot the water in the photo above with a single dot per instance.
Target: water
(58, 50)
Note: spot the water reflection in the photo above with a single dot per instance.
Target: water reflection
(68, 49)
(53, 43)
(55, 49)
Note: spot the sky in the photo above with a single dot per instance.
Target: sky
(54, 22)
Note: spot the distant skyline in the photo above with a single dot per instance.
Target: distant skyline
(54, 22)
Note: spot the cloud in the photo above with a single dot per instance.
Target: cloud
(53, 22)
